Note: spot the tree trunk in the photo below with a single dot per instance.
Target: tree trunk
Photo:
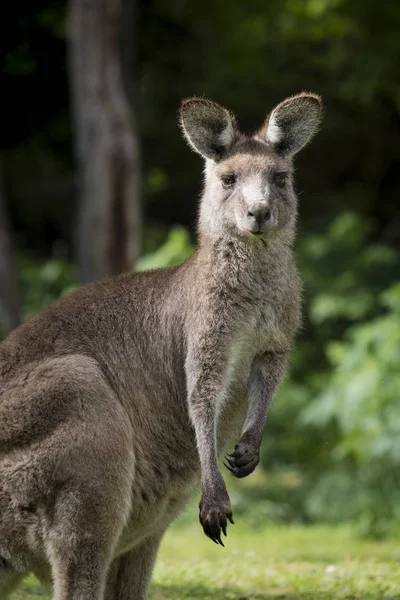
(107, 150)
(8, 282)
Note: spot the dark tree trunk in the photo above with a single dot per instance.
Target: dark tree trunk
(107, 149)
(8, 282)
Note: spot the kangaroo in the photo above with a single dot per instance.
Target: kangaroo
(120, 398)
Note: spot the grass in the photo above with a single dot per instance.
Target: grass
(269, 563)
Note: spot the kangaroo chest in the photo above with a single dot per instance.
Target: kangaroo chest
(263, 329)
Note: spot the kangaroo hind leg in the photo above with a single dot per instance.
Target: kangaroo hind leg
(130, 574)
(83, 529)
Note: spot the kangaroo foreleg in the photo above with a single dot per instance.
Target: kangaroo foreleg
(267, 373)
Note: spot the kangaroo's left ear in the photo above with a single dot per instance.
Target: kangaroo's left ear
(293, 123)
(209, 128)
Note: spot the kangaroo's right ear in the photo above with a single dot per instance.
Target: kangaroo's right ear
(208, 127)
(293, 123)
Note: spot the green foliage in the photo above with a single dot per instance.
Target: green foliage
(361, 403)
(175, 250)
(43, 282)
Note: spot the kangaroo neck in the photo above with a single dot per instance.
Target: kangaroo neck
(230, 254)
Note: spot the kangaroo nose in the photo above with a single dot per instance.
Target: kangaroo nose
(260, 214)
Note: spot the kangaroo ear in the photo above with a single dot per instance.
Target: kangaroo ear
(293, 123)
(208, 127)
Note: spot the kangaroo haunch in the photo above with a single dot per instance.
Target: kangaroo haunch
(117, 400)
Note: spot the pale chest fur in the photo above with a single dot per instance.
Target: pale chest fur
(264, 331)
(268, 320)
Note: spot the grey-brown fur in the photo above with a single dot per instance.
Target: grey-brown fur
(117, 400)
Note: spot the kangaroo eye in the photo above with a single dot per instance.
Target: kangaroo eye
(280, 179)
(228, 180)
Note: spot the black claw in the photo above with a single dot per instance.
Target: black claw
(223, 527)
(235, 454)
(231, 462)
(234, 471)
(211, 537)
(230, 519)
(229, 468)
(241, 463)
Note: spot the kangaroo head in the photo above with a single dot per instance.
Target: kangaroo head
(248, 178)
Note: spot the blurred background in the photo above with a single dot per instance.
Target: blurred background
(95, 179)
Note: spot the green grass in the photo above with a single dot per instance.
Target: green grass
(270, 563)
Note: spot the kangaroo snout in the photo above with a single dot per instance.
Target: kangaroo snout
(259, 218)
